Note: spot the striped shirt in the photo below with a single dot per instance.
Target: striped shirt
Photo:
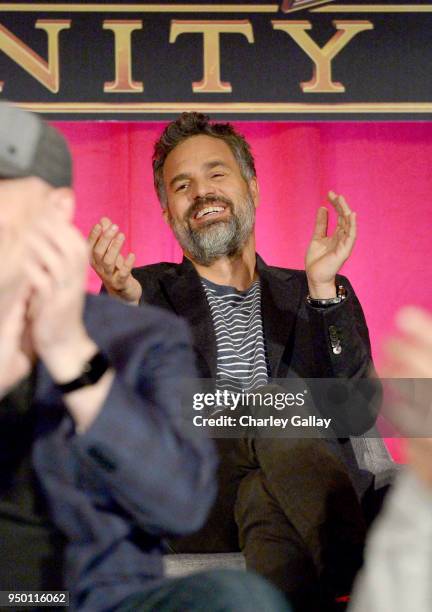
(241, 354)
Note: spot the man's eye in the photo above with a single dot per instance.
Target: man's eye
(181, 187)
(217, 174)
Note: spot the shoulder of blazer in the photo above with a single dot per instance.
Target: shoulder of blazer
(153, 277)
(285, 273)
(300, 275)
(279, 273)
(155, 271)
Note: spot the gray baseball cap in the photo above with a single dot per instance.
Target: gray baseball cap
(31, 147)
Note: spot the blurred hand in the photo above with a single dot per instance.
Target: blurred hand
(57, 272)
(114, 270)
(12, 272)
(409, 355)
(15, 361)
(326, 254)
(14, 291)
(419, 456)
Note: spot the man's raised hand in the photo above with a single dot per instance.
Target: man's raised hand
(113, 269)
(326, 254)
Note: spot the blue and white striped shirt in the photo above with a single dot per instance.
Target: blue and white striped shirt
(241, 354)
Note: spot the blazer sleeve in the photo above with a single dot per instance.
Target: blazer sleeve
(341, 337)
(343, 351)
(137, 450)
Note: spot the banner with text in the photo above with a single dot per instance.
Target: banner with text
(296, 59)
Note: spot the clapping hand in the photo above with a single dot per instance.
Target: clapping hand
(15, 364)
(113, 269)
(57, 271)
(327, 253)
(409, 356)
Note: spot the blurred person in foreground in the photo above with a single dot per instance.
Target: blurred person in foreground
(397, 573)
(94, 468)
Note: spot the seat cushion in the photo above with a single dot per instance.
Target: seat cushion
(183, 564)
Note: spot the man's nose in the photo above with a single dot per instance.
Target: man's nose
(201, 188)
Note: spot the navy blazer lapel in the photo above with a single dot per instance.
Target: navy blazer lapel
(280, 300)
(186, 295)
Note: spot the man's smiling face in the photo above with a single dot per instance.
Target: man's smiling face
(210, 206)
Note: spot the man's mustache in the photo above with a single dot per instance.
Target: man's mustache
(201, 202)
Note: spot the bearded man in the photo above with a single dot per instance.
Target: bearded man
(290, 504)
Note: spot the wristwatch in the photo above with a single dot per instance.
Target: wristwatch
(341, 295)
(93, 371)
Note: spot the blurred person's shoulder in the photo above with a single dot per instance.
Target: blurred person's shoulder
(109, 320)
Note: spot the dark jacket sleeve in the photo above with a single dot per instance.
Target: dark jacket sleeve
(343, 351)
(341, 337)
(137, 449)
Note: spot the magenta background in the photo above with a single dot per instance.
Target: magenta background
(383, 170)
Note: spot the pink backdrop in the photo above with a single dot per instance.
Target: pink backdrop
(383, 169)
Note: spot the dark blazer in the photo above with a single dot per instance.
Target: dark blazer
(134, 476)
(298, 337)
(299, 341)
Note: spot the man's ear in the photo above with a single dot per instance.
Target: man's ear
(254, 189)
(63, 199)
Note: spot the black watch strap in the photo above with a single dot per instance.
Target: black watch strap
(93, 370)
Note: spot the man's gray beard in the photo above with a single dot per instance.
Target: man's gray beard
(218, 239)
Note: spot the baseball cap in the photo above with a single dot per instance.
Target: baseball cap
(31, 147)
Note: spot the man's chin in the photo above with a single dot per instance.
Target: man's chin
(207, 224)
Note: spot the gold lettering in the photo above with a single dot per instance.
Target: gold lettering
(322, 57)
(46, 73)
(123, 57)
(211, 30)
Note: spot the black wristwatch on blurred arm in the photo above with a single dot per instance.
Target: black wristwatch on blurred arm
(93, 371)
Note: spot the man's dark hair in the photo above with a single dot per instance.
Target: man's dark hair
(195, 124)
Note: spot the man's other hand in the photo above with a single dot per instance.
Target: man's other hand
(113, 269)
(14, 290)
(12, 273)
(15, 362)
(57, 272)
(326, 254)
(409, 355)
